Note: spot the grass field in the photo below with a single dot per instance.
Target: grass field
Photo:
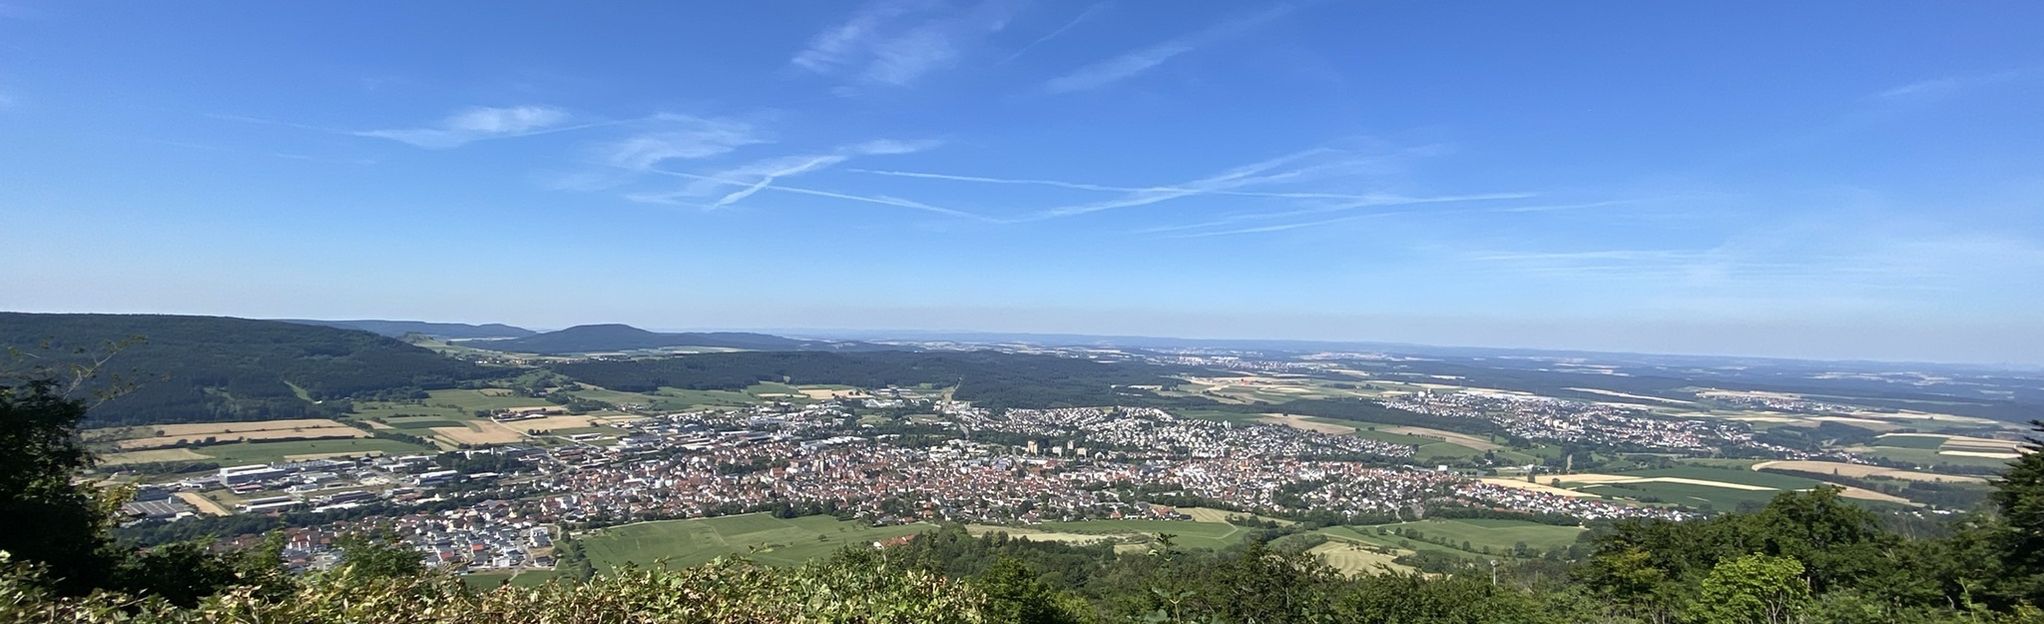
(1189, 534)
(1727, 475)
(157, 455)
(266, 452)
(482, 399)
(1912, 440)
(760, 536)
(1861, 470)
(422, 422)
(1930, 458)
(1358, 558)
(1699, 496)
(1496, 534)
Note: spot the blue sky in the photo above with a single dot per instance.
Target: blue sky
(1808, 179)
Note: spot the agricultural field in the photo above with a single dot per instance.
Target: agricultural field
(489, 399)
(1708, 497)
(143, 438)
(156, 455)
(267, 452)
(479, 432)
(758, 536)
(1244, 389)
(1862, 471)
(1725, 487)
(1933, 459)
(1309, 423)
(1187, 534)
(1500, 536)
(670, 399)
(1355, 557)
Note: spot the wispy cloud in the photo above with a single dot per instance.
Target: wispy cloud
(1947, 86)
(731, 185)
(1053, 34)
(897, 42)
(1231, 192)
(671, 137)
(1297, 167)
(683, 198)
(1378, 201)
(1141, 60)
(481, 123)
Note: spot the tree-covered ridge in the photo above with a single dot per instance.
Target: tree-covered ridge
(200, 368)
(615, 337)
(399, 329)
(987, 378)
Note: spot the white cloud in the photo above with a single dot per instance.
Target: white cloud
(1053, 34)
(677, 197)
(897, 42)
(760, 175)
(1144, 59)
(678, 137)
(764, 173)
(475, 124)
(1947, 86)
(882, 147)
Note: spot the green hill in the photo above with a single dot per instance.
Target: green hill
(615, 337)
(203, 368)
(988, 378)
(399, 329)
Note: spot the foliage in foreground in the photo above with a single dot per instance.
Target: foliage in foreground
(850, 589)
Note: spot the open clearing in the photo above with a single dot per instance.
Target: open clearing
(478, 433)
(157, 455)
(217, 428)
(1983, 454)
(819, 393)
(1188, 534)
(1036, 535)
(482, 399)
(1540, 487)
(266, 452)
(1866, 494)
(1354, 558)
(1459, 439)
(551, 423)
(204, 505)
(1969, 443)
(760, 536)
(1308, 423)
(305, 433)
(1641, 397)
(1207, 514)
(1862, 471)
(1485, 538)
(1929, 459)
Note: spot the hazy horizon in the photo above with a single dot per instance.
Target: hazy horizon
(1447, 336)
(1599, 177)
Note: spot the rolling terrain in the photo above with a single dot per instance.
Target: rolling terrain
(200, 368)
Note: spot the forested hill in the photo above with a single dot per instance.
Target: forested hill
(988, 378)
(615, 337)
(199, 368)
(397, 329)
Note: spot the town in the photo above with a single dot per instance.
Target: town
(952, 463)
